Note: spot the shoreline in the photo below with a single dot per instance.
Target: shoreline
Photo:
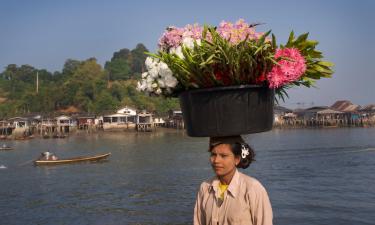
(82, 132)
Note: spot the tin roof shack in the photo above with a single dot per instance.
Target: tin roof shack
(368, 110)
(144, 122)
(368, 115)
(351, 114)
(279, 112)
(345, 106)
(118, 121)
(330, 118)
(85, 122)
(6, 129)
(309, 116)
(21, 127)
(310, 113)
(47, 127)
(175, 119)
(65, 124)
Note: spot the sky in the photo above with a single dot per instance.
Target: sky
(45, 33)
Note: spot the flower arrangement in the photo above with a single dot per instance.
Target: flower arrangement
(196, 57)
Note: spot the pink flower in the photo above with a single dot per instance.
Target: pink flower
(237, 32)
(288, 70)
(193, 31)
(171, 38)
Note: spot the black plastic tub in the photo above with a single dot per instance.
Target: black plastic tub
(227, 111)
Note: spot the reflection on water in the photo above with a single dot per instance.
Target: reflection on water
(312, 176)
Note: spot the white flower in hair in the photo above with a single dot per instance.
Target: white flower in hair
(244, 151)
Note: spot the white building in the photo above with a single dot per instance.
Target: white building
(65, 124)
(119, 121)
(127, 111)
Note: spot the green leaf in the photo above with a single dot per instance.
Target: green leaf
(273, 41)
(325, 63)
(263, 38)
(290, 39)
(302, 38)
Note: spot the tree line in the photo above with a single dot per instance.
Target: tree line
(82, 86)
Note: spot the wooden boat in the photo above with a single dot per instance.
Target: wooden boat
(72, 160)
(22, 138)
(5, 147)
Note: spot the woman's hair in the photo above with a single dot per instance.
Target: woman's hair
(239, 148)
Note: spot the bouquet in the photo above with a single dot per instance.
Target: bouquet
(195, 57)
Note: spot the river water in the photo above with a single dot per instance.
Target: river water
(313, 176)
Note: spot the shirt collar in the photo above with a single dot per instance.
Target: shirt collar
(232, 188)
(234, 184)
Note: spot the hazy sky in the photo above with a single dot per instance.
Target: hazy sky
(44, 33)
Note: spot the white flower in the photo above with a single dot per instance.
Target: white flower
(149, 80)
(149, 87)
(177, 51)
(170, 81)
(154, 72)
(163, 66)
(165, 71)
(172, 51)
(188, 42)
(141, 86)
(150, 63)
(161, 83)
(244, 151)
(159, 78)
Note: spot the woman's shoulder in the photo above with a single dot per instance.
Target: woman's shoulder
(251, 183)
(205, 185)
(208, 182)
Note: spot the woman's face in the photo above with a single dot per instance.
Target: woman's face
(222, 159)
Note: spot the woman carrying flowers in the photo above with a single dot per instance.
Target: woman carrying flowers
(234, 59)
(231, 197)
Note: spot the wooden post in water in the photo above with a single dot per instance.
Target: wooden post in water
(37, 82)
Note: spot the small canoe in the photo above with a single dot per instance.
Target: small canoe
(72, 160)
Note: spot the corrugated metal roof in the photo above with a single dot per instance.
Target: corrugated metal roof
(345, 106)
(370, 107)
(329, 111)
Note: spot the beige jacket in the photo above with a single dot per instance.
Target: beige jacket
(245, 202)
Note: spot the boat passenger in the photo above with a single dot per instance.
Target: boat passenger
(231, 197)
(48, 156)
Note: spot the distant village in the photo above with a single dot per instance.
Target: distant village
(124, 119)
(340, 114)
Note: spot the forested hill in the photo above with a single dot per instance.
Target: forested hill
(83, 86)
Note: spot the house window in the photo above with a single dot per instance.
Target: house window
(132, 119)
